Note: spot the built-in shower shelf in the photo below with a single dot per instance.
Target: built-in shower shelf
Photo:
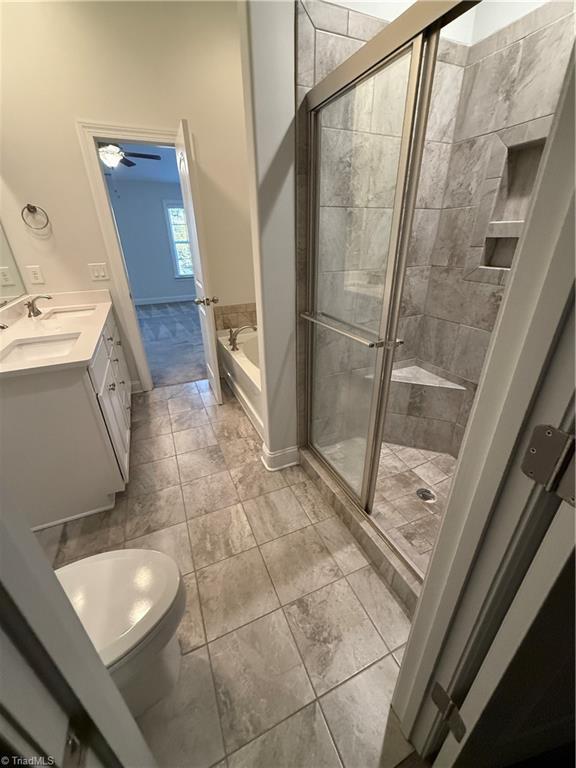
(414, 374)
(505, 229)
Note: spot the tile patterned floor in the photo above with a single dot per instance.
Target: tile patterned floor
(173, 342)
(411, 524)
(291, 643)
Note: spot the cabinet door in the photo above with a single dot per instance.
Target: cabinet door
(122, 378)
(113, 411)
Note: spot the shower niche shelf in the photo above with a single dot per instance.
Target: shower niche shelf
(511, 204)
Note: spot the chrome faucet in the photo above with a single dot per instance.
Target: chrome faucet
(33, 310)
(233, 337)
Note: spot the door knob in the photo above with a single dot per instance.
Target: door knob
(207, 301)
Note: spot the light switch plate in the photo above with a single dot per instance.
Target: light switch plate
(5, 276)
(35, 274)
(98, 271)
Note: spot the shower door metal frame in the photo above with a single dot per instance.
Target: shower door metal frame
(418, 28)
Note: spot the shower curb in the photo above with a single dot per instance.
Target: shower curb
(397, 576)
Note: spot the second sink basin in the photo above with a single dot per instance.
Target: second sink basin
(63, 313)
(34, 350)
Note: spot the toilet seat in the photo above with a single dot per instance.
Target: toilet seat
(120, 597)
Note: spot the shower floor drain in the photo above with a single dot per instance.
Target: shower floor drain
(426, 495)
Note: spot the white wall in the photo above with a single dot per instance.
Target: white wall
(269, 82)
(141, 221)
(137, 64)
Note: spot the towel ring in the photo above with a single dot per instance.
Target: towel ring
(34, 210)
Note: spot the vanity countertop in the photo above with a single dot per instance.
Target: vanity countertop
(65, 335)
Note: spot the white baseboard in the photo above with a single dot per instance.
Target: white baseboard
(165, 299)
(276, 460)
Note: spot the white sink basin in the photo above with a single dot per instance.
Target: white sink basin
(35, 350)
(63, 313)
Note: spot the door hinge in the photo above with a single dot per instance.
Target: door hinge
(74, 751)
(449, 711)
(549, 461)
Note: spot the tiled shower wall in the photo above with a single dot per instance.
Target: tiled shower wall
(508, 95)
(488, 102)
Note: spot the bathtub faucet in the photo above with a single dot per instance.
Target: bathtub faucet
(233, 337)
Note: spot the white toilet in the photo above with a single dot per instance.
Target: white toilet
(131, 602)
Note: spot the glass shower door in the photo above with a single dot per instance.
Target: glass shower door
(362, 143)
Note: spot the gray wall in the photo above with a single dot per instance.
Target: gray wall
(490, 102)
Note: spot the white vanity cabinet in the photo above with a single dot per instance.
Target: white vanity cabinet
(110, 379)
(65, 434)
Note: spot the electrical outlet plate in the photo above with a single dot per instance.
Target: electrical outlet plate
(98, 271)
(35, 274)
(5, 276)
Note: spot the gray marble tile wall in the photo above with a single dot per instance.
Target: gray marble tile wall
(508, 93)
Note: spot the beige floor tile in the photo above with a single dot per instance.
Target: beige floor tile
(260, 678)
(184, 729)
(191, 629)
(275, 514)
(357, 713)
(218, 535)
(173, 541)
(234, 592)
(207, 494)
(154, 511)
(334, 634)
(301, 741)
(381, 606)
(299, 563)
(341, 544)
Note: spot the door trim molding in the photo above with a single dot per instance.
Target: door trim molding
(124, 307)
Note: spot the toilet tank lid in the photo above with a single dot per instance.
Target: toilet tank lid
(120, 596)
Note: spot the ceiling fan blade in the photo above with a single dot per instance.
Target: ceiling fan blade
(127, 163)
(143, 156)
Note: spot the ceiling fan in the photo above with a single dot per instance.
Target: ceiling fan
(112, 155)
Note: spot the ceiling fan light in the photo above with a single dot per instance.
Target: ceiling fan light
(110, 154)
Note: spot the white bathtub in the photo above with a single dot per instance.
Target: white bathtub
(241, 370)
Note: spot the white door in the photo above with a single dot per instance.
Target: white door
(204, 298)
(496, 516)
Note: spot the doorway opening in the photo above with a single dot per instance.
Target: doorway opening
(145, 196)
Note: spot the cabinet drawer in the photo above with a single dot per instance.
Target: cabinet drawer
(97, 367)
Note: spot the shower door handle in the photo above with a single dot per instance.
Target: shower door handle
(367, 342)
